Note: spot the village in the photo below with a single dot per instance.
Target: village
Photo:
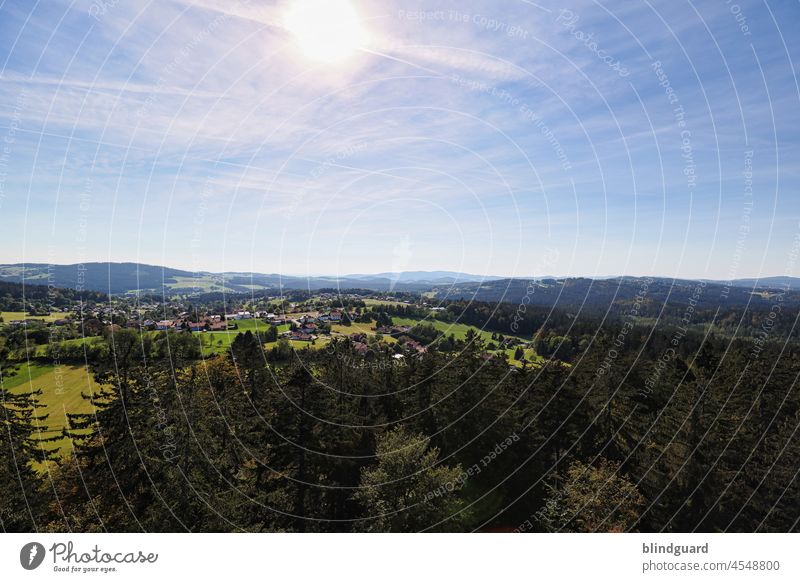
(302, 326)
(404, 325)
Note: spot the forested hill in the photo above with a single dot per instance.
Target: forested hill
(569, 293)
(121, 278)
(104, 277)
(640, 433)
(19, 297)
(622, 293)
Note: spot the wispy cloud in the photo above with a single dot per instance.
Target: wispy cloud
(471, 133)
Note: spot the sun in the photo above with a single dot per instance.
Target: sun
(328, 31)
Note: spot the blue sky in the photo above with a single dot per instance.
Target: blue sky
(502, 138)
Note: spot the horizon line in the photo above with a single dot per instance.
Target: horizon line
(355, 275)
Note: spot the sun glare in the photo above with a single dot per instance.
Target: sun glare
(329, 31)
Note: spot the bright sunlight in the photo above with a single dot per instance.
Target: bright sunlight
(328, 31)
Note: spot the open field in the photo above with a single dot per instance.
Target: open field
(365, 328)
(204, 284)
(243, 325)
(373, 302)
(61, 388)
(9, 316)
(212, 342)
(320, 342)
(530, 355)
(25, 374)
(459, 330)
(217, 342)
(41, 351)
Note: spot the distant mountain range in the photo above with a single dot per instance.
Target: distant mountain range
(621, 294)
(120, 278)
(791, 283)
(424, 277)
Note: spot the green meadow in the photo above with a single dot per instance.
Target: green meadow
(219, 342)
(62, 388)
(373, 302)
(41, 351)
(459, 330)
(365, 328)
(9, 316)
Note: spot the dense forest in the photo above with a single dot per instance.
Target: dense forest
(138, 278)
(33, 298)
(729, 307)
(634, 427)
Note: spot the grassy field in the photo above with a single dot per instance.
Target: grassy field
(215, 342)
(204, 284)
(25, 374)
(365, 328)
(373, 302)
(320, 343)
(41, 350)
(61, 388)
(459, 330)
(530, 355)
(243, 325)
(218, 342)
(9, 316)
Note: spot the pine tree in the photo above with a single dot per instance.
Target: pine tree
(409, 490)
(21, 500)
(124, 448)
(594, 498)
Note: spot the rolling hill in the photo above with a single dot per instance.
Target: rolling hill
(122, 278)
